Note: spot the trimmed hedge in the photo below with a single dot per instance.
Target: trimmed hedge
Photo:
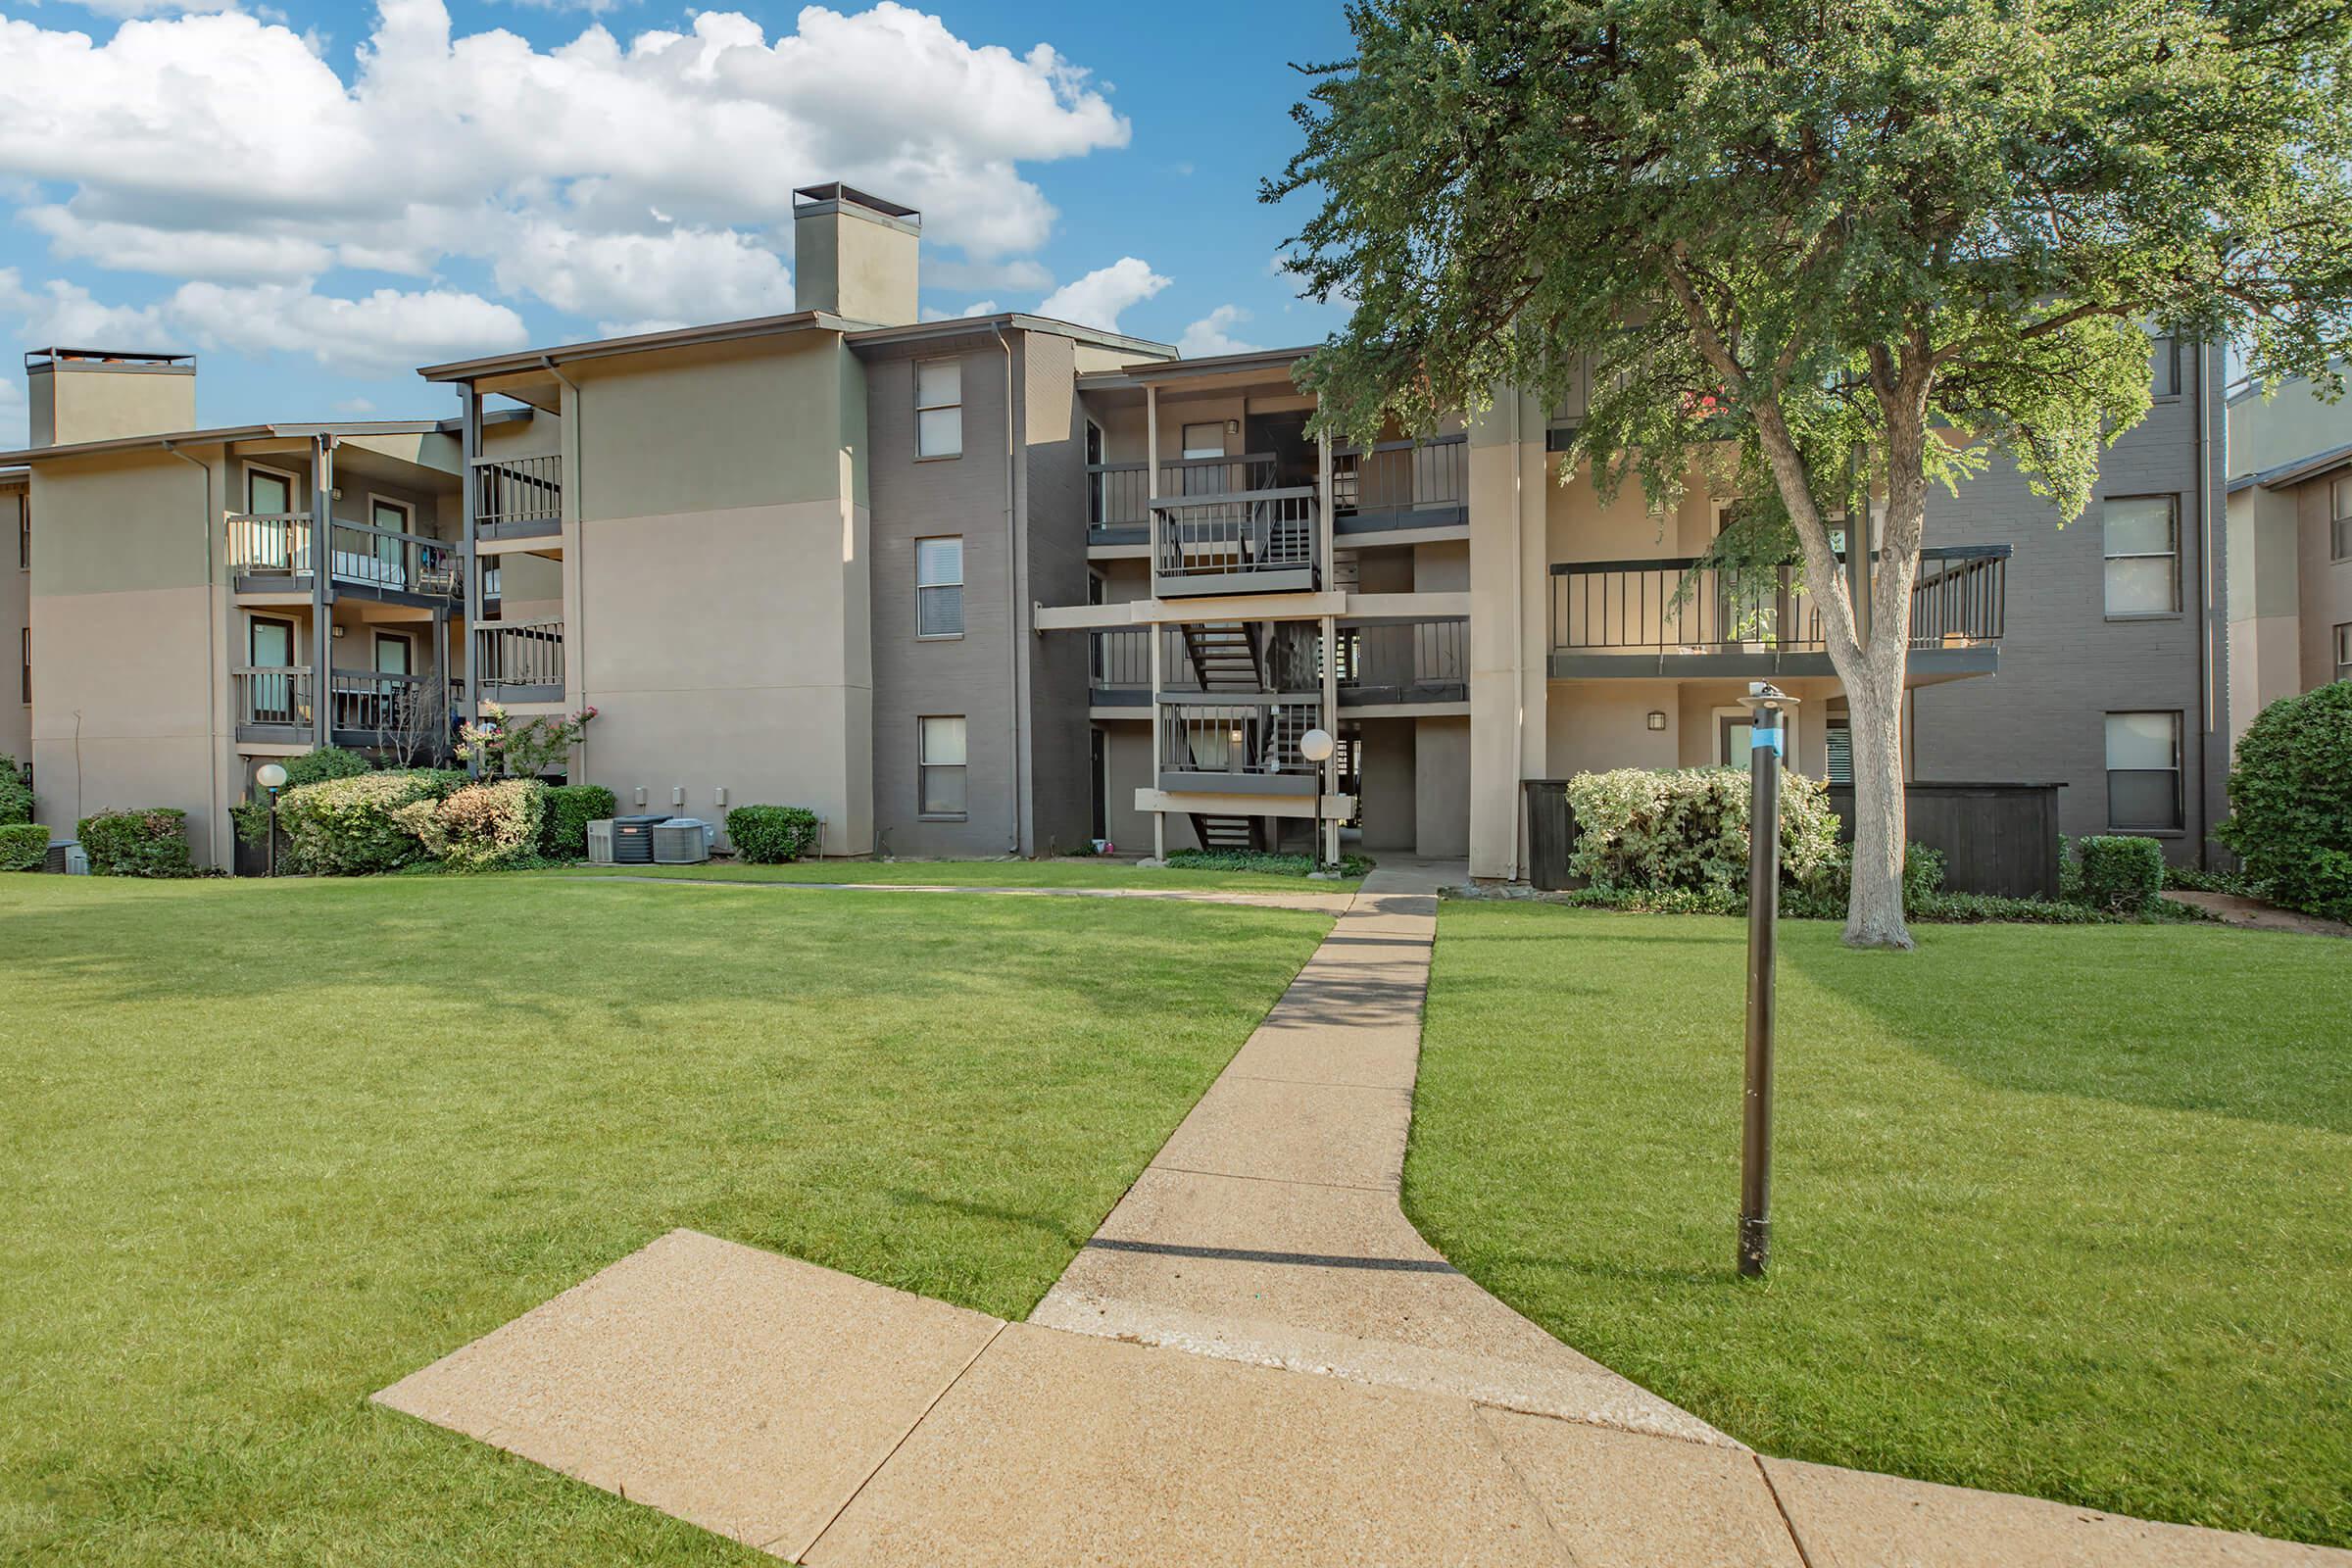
(1260, 861)
(16, 800)
(1825, 895)
(23, 846)
(568, 809)
(2290, 800)
(2121, 874)
(350, 826)
(1687, 828)
(770, 835)
(481, 827)
(153, 842)
(313, 766)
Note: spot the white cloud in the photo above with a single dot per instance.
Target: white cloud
(1212, 334)
(152, 8)
(1097, 299)
(383, 333)
(932, 312)
(14, 414)
(354, 406)
(646, 178)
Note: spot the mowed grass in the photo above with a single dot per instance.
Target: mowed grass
(2058, 1211)
(1075, 872)
(271, 1147)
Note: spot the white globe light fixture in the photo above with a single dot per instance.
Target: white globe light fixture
(272, 779)
(1317, 746)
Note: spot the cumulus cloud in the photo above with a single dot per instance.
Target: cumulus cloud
(380, 334)
(932, 312)
(1212, 334)
(1097, 299)
(622, 181)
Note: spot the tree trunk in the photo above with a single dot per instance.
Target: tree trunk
(1874, 698)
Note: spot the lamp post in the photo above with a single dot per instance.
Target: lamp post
(272, 779)
(1767, 744)
(1317, 746)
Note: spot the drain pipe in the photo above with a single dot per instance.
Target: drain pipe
(1518, 864)
(2208, 681)
(1012, 601)
(211, 646)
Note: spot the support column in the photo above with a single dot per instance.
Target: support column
(469, 442)
(1159, 730)
(1329, 828)
(322, 590)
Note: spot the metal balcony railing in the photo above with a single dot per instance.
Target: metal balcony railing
(1679, 605)
(1120, 658)
(271, 696)
(1399, 484)
(1119, 495)
(280, 545)
(1204, 545)
(1405, 661)
(520, 660)
(518, 496)
(1246, 747)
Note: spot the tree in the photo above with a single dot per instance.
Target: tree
(1841, 250)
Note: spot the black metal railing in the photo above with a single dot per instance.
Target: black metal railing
(276, 695)
(1230, 740)
(381, 708)
(1235, 535)
(517, 497)
(1681, 606)
(360, 556)
(1120, 658)
(1119, 495)
(1419, 660)
(515, 655)
(1401, 477)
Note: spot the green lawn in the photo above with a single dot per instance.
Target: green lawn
(1075, 872)
(2062, 1211)
(270, 1146)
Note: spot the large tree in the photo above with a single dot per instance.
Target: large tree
(1842, 250)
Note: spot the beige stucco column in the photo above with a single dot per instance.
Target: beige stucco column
(1509, 596)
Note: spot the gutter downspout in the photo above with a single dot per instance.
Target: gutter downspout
(572, 443)
(2206, 675)
(1012, 600)
(1518, 865)
(211, 646)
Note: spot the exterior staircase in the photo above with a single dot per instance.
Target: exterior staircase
(1225, 656)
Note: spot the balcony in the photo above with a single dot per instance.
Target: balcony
(404, 713)
(1400, 485)
(520, 660)
(1120, 494)
(1119, 667)
(1404, 662)
(1675, 617)
(272, 553)
(517, 498)
(1239, 747)
(1254, 542)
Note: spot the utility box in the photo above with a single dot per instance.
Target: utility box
(624, 840)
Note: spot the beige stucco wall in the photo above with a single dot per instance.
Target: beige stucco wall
(1386, 817)
(74, 403)
(1601, 725)
(855, 266)
(2288, 424)
(2322, 588)
(16, 608)
(1509, 586)
(1442, 787)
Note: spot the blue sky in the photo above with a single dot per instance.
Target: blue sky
(317, 197)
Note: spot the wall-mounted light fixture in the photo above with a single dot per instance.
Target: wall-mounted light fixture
(1657, 719)
(337, 631)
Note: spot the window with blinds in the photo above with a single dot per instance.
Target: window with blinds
(939, 586)
(1839, 739)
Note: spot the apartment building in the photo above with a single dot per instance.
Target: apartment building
(16, 616)
(2290, 545)
(1001, 584)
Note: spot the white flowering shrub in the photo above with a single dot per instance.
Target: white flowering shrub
(1687, 828)
(480, 827)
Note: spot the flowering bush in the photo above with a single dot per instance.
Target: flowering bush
(1687, 828)
(480, 827)
(520, 747)
(352, 826)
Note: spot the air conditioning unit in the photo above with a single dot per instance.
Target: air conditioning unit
(66, 857)
(633, 839)
(600, 843)
(682, 841)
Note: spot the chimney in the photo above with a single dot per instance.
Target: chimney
(854, 255)
(98, 394)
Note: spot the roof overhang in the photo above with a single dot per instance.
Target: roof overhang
(528, 360)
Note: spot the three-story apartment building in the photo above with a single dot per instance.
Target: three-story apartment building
(1001, 584)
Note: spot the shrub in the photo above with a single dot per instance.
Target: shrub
(153, 842)
(2290, 800)
(16, 800)
(568, 809)
(481, 827)
(1808, 905)
(2196, 879)
(312, 768)
(770, 835)
(23, 846)
(1261, 861)
(350, 826)
(1688, 828)
(2121, 874)
(1823, 895)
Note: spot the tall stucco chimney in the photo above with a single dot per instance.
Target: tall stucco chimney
(854, 255)
(98, 394)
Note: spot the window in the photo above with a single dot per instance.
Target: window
(24, 532)
(26, 695)
(938, 409)
(1839, 736)
(269, 493)
(2340, 520)
(939, 587)
(2143, 555)
(2343, 652)
(940, 790)
(392, 654)
(1205, 440)
(2143, 771)
(2164, 366)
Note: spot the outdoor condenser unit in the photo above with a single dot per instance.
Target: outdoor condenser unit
(633, 839)
(681, 841)
(600, 843)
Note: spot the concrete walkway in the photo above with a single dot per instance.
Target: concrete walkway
(1267, 1229)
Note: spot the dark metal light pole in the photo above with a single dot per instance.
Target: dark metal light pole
(271, 777)
(1767, 743)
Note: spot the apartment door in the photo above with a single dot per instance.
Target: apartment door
(270, 495)
(1099, 773)
(269, 655)
(386, 550)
